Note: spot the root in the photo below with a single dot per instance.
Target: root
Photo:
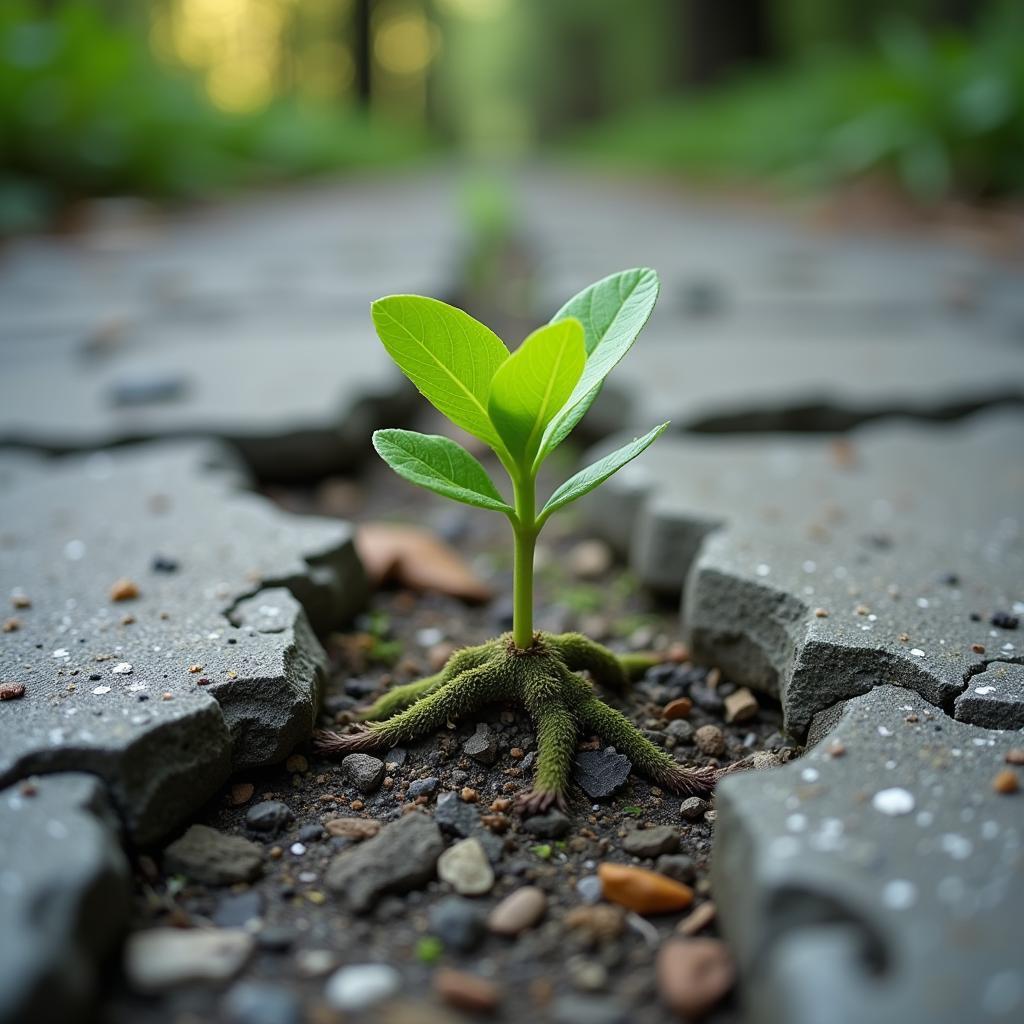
(561, 703)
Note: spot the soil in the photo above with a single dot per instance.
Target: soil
(305, 933)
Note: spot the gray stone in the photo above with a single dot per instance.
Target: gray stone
(211, 667)
(160, 959)
(259, 1002)
(553, 825)
(994, 698)
(693, 808)
(268, 816)
(179, 331)
(423, 787)
(680, 730)
(458, 923)
(466, 868)
(815, 569)
(850, 881)
(651, 842)
(360, 986)
(401, 857)
(364, 771)
(456, 817)
(601, 773)
(482, 746)
(238, 909)
(677, 866)
(206, 855)
(66, 896)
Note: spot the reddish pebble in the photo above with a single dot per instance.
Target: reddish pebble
(241, 792)
(679, 708)
(11, 691)
(1006, 782)
(124, 590)
(469, 795)
(694, 975)
(1015, 755)
(10, 625)
(646, 892)
(466, 991)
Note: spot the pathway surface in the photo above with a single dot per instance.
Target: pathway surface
(163, 618)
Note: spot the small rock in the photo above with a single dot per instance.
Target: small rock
(311, 832)
(364, 771)
(482, 746)
(600, 773)
(596, 924)
(693, 808)
(553, 825)
(356, 829)
(589, 889)
(646, 892)
(694, 975)
(466, 869)
(402, 857)
(589, 559)
(315, 963)
(466, 991)
(1015, 755)
(238, 909)
(587, 1010)
(163, 958)
(296, 763)
(458, 923)
(241, 793)
(396, 756)
(124, 590)
(681, 707)
(1006, 782)
(680, 730)
(209, 856)
(518, 911)
(268, 816)
(677, 866)
(741, 706)
(423, 787)
(360, 986)
(707, 699)
(697, 920)
(588, 975)
(258, 1002)
(454, 816)
(710, 740)
(12, 691)
(651, 842)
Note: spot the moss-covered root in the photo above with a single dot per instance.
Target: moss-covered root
(648, 760)
(609, 670)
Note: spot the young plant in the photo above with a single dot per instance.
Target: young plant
(522, 405)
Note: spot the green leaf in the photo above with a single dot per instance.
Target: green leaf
(449, 356)
(613, 312)
(534, 383)
(440, 465)
(593, 476)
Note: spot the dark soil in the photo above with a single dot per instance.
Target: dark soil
(305, 933)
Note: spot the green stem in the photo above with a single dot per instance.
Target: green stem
(525, 532)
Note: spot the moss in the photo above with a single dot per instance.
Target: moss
(544, 678)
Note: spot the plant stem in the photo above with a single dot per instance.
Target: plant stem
(525, 532)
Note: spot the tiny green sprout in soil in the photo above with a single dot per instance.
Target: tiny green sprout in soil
(522, 405)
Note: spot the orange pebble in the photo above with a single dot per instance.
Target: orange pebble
(646, 892)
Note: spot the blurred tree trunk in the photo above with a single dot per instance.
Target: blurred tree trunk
(721, 36)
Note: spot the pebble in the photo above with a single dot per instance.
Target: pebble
(209, 856)
(458, 923)
(355, 829)
(238, 909)
(163, 958)
(364, 771)
(482, 746)
(680, 730)
(589, 559)
(124, 590)
(678, 866)
(257, 1002)
(315, 963)
(741, 706)
(466, 869)
(553, 825)
(587, 975)
(646, 892)
(1006, 782)
(466, 991)
(598, 924)
(694, 975)
(518, 911)
(710, 740)
(241, 793)
(693, 808)
(698, 920)
(268, 816)
(296, 763)
(707, 699)
(455, 817)
(423, 787)
(12, 691)
(396, 756)
(651, 842)
(1015, 755)
(681, 707)
(589, 889)
(312, 832)
(601, 773)
(360, 986)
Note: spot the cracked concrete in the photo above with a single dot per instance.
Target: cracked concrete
(212, 664)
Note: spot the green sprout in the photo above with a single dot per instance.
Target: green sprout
(523, 405)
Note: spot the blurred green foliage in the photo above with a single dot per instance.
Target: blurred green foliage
(85, 110)
(941, 114)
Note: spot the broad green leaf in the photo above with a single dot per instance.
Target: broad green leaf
(613, 312)
(448, 355)
(440, 465)
(593, 476)
(533, 384)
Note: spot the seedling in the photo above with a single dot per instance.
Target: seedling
(523, 405)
